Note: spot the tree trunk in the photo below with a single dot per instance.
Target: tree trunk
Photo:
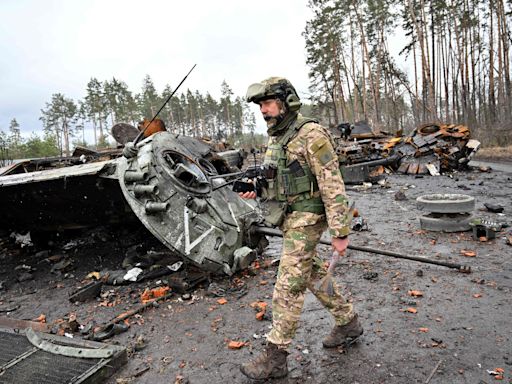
(492, 95)
(366, 58)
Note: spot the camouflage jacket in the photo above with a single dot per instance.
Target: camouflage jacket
(312, 145)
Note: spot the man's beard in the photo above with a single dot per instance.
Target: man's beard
(274, 121)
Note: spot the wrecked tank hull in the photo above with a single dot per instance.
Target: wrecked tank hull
(64, 198)
(178, 195)
(174, 186)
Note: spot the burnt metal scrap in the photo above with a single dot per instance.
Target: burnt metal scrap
(446, 146)
(174, 186)
(429, 149)
(178, 187)
(25, 355)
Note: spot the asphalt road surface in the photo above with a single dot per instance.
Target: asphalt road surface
(457, 329)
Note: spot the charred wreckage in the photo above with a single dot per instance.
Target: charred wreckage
(181, 189)
(173, 184)
(429, 149)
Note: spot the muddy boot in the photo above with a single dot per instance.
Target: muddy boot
(344, 334)
(271, 363)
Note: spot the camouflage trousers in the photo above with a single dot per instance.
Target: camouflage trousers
(300, 269)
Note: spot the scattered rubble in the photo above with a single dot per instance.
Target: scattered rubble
(431, 149)
(186, 332)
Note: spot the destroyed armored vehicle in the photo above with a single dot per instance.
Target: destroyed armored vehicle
(428, 149)
(178, 187)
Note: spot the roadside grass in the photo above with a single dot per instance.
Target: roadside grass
(497, 153)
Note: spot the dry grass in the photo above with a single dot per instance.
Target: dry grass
(501, 153)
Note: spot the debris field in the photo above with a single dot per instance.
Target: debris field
(423, 323)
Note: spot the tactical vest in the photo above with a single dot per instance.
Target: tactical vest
(290, 179)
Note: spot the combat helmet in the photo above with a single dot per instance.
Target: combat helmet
(275, 88)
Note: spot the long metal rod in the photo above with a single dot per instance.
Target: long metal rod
(460, 267)
(141, 133)
(226, 175)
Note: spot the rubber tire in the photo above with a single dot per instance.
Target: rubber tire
(444, 223)
(446, 203)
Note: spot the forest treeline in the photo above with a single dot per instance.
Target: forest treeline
(108, 102)
(457, 55)
(457, 52)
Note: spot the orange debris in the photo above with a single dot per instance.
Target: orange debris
(236, 344)
(152, 294)
(41, 318)
(468, 253)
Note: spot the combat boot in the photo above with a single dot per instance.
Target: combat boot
(271, 363)
(344, 334)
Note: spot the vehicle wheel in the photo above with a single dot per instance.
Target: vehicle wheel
(446, 203)
(453, 222)
(232, 157)
(428, 129)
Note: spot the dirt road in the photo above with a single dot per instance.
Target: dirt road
(457, 330)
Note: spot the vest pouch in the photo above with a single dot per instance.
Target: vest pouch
(286, 184)
(274, 212)
(269, 193)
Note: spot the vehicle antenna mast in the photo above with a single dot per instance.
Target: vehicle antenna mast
(139, 136)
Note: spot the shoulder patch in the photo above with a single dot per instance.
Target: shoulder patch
(321, 150)
(318, 143)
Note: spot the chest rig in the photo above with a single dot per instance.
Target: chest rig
(289, 181)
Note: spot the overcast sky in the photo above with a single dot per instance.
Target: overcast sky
(51, 46)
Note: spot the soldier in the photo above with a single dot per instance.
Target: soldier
(305, 194)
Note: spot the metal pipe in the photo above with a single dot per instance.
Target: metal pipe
(135, 176)
(141, 189)
(226, 175)
(155, 207)
(459, 267)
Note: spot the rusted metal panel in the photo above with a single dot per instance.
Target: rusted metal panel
(23, 361)
(450, 144)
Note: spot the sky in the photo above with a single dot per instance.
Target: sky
(57, 46)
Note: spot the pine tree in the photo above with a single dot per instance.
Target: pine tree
(15, 133)
(226, 108)
(148, 101)
(96, 108)
(58, 118)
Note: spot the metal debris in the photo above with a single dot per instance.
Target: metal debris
(25, 355)
(484, 228)
(87, 292)
(429, 149)
(446, 212)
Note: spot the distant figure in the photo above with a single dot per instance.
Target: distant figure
(156, 126)
(345, 130)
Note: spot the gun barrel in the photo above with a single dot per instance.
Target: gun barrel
(373, 163)
(459, 267)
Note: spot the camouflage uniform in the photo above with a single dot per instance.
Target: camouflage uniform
(300, 268)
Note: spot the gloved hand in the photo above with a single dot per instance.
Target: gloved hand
(129, 150)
